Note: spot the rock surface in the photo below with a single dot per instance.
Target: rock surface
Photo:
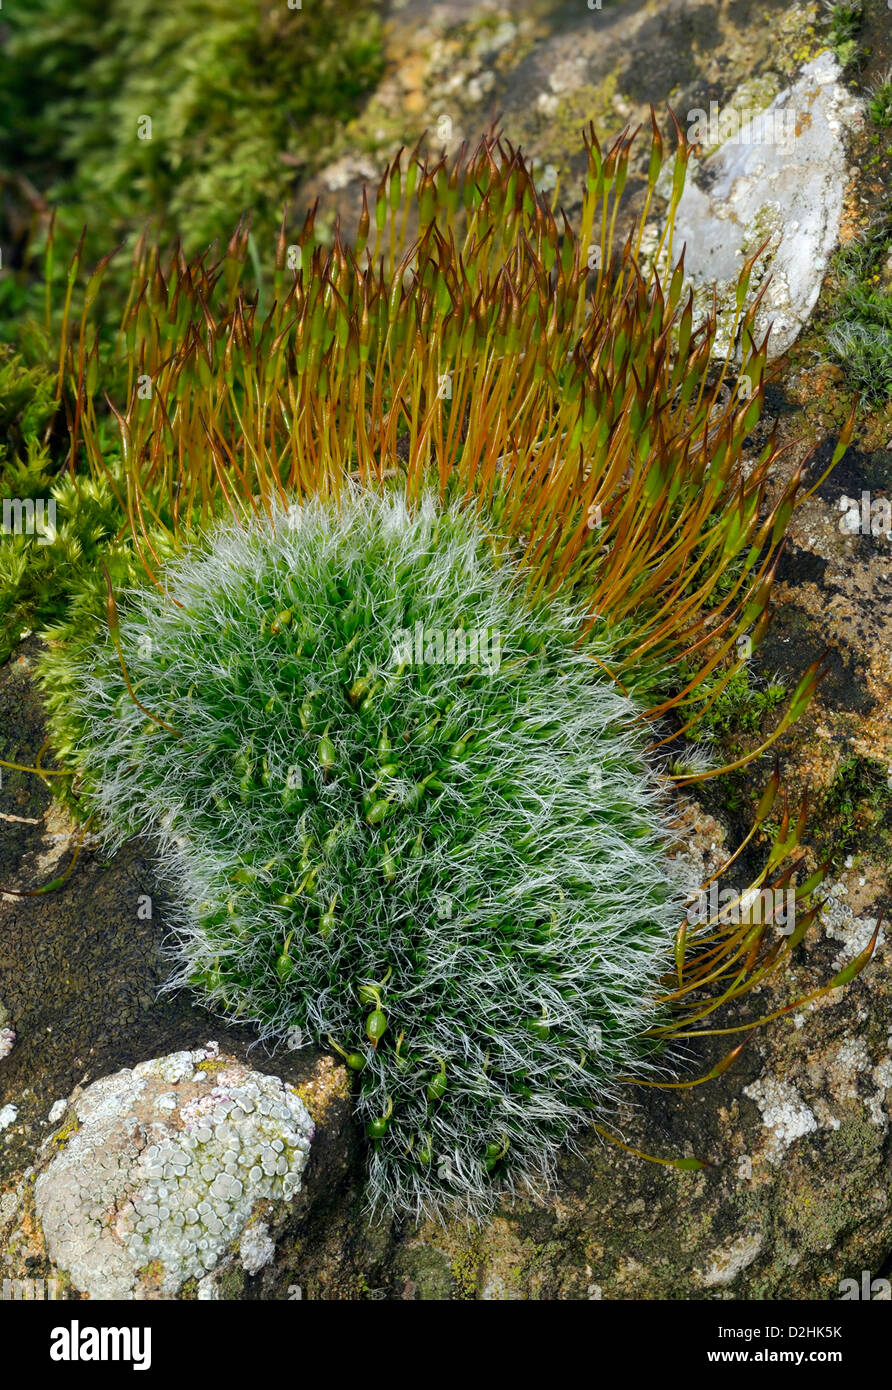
(778, 178)
(799, 1130)
(161, 1169)
(7, 1033)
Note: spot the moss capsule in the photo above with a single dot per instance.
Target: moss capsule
(280, 621)
(327, 920)
(424, 1153)
(494, 1154)
(436, 1087)
(326, 752)
(354, 1060)
(376, 1129)
(284, 964)
(375, 1026)
(388, 864)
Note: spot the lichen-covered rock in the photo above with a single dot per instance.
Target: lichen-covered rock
(159, 1171)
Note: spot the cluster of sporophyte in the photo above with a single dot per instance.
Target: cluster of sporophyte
(474, 342)
(478, 421)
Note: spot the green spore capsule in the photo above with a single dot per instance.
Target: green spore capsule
(327, 920)
(354, 1060)
(376, 1129)
(388, 864)
(326, 752)
(436, 1087)
(291, 794)
(280, 621)
(369, 991)
(494, 1154)
(424, 1152)
(284, 964)
(375, 1026)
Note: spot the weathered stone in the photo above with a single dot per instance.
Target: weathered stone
(119, 1231)
(779, 178)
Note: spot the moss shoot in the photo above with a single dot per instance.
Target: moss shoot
(408, 815)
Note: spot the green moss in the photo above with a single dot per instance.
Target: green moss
(859, 795)
(51, 572)
(879, 107)
(466, 1264)
(815, 1215)
(122, 109)
(232, 1283)
(741, 708)
(861, 334)
(406, 774)
(846, 20)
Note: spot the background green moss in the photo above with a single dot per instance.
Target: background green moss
(243, 97)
